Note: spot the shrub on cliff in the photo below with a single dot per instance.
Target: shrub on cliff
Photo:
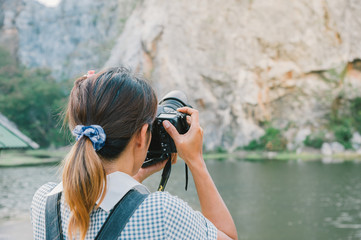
(344, 123)
(272, 140)
(355, 109)
(315, 140)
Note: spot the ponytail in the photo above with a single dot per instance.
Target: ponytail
(119, 103)
(84, 181)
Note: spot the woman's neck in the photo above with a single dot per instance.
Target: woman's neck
(124, 163)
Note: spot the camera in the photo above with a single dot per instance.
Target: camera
(162, 145)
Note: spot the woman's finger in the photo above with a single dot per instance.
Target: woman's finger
(174, 158)
(189, 120)
(190, 111)
(171, 130)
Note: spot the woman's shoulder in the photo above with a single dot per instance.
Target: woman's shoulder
(180, 220)
(41, 194)
(164, 204)
(45, 189)
(38, 209)
(164, 199)
(170, 204)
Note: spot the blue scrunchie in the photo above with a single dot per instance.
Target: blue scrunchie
(95, 133)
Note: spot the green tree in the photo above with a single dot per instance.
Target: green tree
(33, 100)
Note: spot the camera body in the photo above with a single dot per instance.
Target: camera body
(162, 145)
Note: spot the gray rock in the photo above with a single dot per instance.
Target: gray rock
(299, 150)
(290, 146)
(326, 149)
(337, 147)
(301, 136)
(356, 141)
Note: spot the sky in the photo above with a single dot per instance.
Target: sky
(50, 3)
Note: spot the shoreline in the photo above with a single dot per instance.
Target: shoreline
(307, 155)
(28, 158)
(21, 158)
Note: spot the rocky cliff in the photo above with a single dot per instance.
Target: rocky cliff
(67, 39)
(240, 62)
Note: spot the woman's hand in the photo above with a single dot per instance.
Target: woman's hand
(189, 145)
(144, 173)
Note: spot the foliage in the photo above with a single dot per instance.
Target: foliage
(33, 100)
(220, 149)
(342, 129)
(355, 110)
(315, 140)
(254, 145)
(272, 140)
(344, 123)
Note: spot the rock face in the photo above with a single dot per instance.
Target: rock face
(242, 62)
(67, 39)
(239, 62)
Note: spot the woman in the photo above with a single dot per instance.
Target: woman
(111, 114)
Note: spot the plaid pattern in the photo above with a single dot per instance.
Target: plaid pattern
(160, 216)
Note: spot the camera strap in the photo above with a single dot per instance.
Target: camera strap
(186, 169)
(166, 173)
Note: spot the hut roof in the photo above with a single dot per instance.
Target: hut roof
(11, 137)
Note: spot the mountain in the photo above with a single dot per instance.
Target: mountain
(241, 63)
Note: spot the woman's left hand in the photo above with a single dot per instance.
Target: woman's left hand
(144, 173)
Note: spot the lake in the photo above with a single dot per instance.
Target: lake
(267, 199)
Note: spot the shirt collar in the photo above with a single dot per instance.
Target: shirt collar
(119, 184)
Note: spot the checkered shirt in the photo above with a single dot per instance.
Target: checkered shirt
(160, 216)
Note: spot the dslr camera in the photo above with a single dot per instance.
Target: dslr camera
(162, 145)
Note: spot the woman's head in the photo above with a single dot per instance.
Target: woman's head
(115, 99)
(121, 104)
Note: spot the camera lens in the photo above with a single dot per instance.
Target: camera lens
(173, 100)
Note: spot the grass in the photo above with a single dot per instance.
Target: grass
(282, 156)
(19, 158)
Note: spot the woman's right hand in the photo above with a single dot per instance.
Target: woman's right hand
(189, 145)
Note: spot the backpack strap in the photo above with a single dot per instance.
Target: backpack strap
(113, 225)
(53, 218)
(121, 213)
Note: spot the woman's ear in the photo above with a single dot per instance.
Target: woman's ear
(143, 136)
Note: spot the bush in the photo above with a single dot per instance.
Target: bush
(272, 140)
(220, 149)
(355, 110)
(343, 135)
(315, 140)
(254, 145)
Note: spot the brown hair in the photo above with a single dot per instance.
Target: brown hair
(121, 103)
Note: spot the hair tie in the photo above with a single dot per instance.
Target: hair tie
(90, 73)
(95, 133)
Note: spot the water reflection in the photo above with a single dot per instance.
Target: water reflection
(17, 187)
(267, 199)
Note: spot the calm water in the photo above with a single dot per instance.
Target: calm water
(267, 199)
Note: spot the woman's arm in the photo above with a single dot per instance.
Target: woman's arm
(189, 147)
(144, 173)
